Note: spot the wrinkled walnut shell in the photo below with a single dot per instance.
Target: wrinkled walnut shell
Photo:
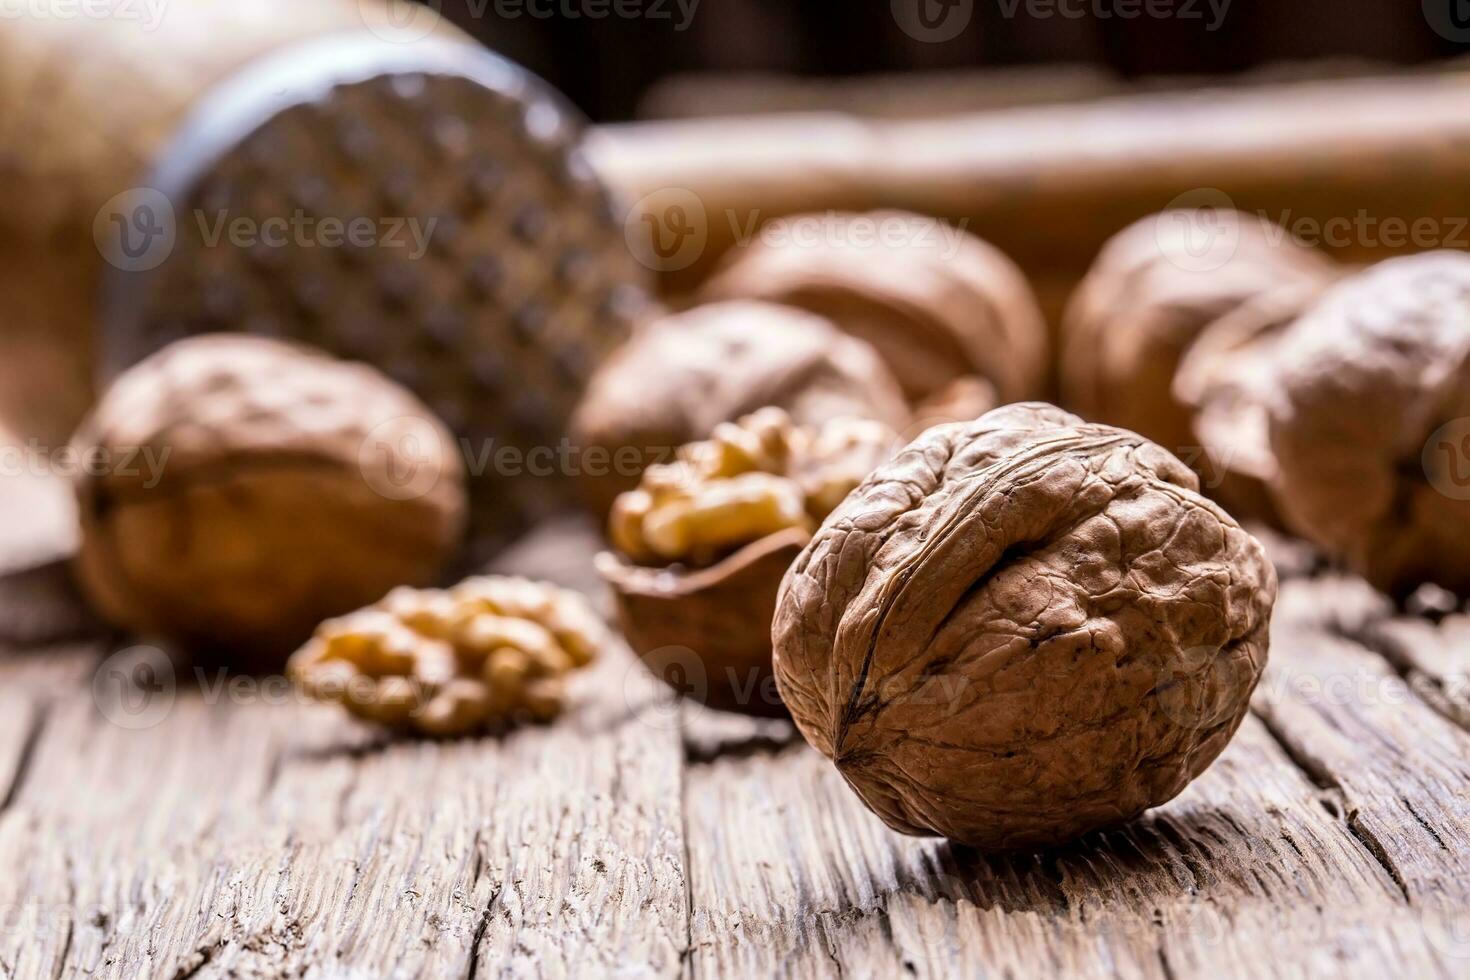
(1369, 423)
(938, 304)
(1154, 289)
(1021, 629)
(680, 376)
(706, 632)
(282, 498)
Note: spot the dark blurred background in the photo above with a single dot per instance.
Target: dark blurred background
(621, 67)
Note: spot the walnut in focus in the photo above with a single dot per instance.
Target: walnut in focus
(1021, 629)
(680, 376)
(489, 651)
(703, 542)
(1154, 289)
(252, 488)
(1367, 405)
(935, 301)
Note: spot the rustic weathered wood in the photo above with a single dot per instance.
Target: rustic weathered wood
(248, 834)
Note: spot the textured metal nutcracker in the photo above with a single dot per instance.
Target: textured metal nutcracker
(423, 207)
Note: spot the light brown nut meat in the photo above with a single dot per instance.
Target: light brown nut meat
(680, 377)
(1155, 287)
(702, 548)
(283, 487)
(1370, 423)
(935, 301)
(1023, 628)
(449, 662)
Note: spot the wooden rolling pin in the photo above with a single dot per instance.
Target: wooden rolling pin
(1049, 184)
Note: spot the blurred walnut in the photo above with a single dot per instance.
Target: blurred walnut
(1155, 287)
(1367, 433)
(681, 376)
(936, 302)
(253, 488)
(1223, 383)
(962, 400)
(703, 543)
(445, 663)
(1021, 629)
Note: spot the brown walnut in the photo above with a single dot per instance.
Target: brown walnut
(1368, 403)
(252, 488)
(703, 542)
(1224, 384)
(935, 301)
(680, 376)
(1154, 289)
(1023, 628)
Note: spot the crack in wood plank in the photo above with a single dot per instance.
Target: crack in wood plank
(26, 756)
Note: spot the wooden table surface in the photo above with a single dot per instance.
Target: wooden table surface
(227, 829)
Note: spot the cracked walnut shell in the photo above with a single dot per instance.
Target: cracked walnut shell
(449, 662)
(1023, 628)
(703, 542)
(285, 487)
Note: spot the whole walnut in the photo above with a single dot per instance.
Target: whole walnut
(1224, 383)
(682, 375)
(702, 544)
(1023, 628)
(1154, 289)
(1367, 397)
(250, 488)
(935, 301)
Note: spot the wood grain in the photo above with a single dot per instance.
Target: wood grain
(244, 833)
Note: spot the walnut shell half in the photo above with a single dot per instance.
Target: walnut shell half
(706, 631)
(1021, 629)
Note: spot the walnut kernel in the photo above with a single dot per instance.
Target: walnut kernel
(450, 662)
